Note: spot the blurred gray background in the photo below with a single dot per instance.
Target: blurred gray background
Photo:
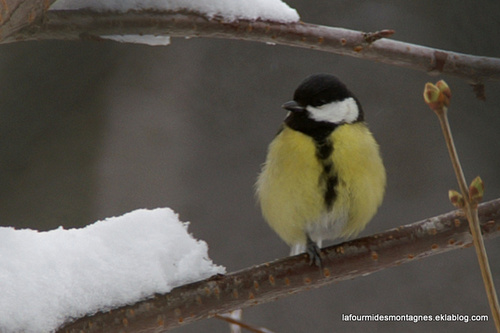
(90, 130)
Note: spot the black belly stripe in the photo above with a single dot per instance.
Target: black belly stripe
(320, 133)
(328, 178)
(330, 192)
(324, 149)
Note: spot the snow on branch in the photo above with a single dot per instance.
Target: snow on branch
(90, 24)
(47, 278)
(270, 281)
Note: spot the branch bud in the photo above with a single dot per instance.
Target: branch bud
(445, 90)
(431, 93)
(456, 199)
(476, 190)
(437, 96)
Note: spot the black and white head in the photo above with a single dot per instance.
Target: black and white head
(321, 103)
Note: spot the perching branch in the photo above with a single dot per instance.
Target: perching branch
(87, 24)
(270, 281)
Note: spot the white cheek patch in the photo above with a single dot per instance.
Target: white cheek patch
(345, 111)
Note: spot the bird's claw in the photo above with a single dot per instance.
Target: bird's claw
(314, 253)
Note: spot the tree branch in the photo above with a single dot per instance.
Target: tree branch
(87, 24)
(17, 14)
(270, 281)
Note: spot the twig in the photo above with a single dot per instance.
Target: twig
(438, 98)
(242, 324)
(235, 315)
(371, 37)
(86, 24)
(283, 277)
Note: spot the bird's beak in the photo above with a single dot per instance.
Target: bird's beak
(292, 106)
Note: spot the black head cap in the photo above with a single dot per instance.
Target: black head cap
(319, 89)
(315, 91)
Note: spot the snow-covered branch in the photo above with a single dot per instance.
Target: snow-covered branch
(52, 276)
(269, 281)
(89, 24)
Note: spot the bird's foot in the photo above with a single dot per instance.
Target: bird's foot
(314, 253)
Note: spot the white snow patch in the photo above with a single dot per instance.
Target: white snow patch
(230, 10)
(48, 278)
(150, 40)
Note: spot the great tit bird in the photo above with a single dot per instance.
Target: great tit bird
(323, 177)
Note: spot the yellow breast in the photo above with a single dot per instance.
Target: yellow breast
(291, 195)
(287, 188)
(361, 174)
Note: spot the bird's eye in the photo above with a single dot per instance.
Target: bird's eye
(320, 102)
